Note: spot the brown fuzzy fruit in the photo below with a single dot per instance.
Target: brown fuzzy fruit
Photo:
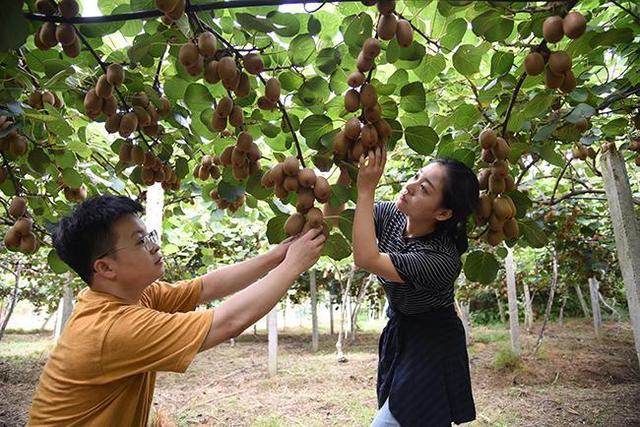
(497, 184)
(488, 138)
(371, 48)
(68, 8)
(322, 189)
(245, 141)
(387, 26)
(166, 5)
(141, 99)
(552, 29)
(501, 208)
(341, 144)
(227, 68)
(305, 199)
(65, 34)
(559, 62)
(272, 89)
(47, 7)
(485, 206)
(552, 80)
(404, 33)
(582, 125)
(501, 150)
(384, 129)
(483, 178)
(112, 124)
(17, 207)
(494, 238)
(363, 63)
(23, 226)
(534, 64)
(574, 25)
(265, 103)
(487, 156)
(128, 124)
(294, 224)
(125, 152)
(188, 54)
(48, 34)
(356, 79)
(72, 49)
(352, 128)
(207, 44)
(211, 72)
(386, 7)
(315, 217)
(253, 63)
(12, 238)
(291, 166)
(369, 136)
(224, 108)
(103, 88)
(143, 116)
(115, 74)
(236, 118)
(351, 100)
(307, 177)
(109, 106)
(569, 83)
(244, 86)
(368, 95)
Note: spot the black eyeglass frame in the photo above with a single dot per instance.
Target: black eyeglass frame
(149, 240)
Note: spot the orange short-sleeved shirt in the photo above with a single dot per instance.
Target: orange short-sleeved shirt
(102, 370)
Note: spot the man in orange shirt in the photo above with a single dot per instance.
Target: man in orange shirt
(127, 325)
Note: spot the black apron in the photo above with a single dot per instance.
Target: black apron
(424, 369)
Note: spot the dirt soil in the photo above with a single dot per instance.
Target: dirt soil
(574, 379)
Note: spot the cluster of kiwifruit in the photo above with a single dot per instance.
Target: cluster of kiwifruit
(223, 203)
(207, 169)
(153, 170)
(75, 194)
(581, 152)
(634, 145)
(499, 212)
(20, 235)
(172, 9)
(225, 111)
(50, 34)
(13, 143)
(271, 94)
(39, 98)
(243, 157)
(556, 65)
(388, 25)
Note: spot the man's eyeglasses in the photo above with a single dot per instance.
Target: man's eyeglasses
(148, 241)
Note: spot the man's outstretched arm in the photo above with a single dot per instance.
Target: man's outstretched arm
(230, 279)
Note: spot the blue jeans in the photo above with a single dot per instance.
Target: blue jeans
(384, 417)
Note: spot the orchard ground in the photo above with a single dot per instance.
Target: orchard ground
(574, 379)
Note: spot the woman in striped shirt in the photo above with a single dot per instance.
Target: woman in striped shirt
(423, 369)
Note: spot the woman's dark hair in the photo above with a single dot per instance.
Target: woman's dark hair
(460, 194)
(87, 232)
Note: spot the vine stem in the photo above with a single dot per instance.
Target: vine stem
(16, 183)
(507, 116)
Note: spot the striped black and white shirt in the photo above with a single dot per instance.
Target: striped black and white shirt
(428, 264)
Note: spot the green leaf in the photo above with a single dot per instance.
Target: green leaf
(314, 92)
(501, 63)
(14, 27)
(55, 263)
(71, 178)
(198, 97)
(455, 32)
(314, 25)
(539, 104)
(421, 139)
(290, 81)
(533, 234)
(548, 153)
(250, 22)
(492, 26)
(315, 126)
(275, 229)
(465, 116)
(345, 223)
(358, 29)
(616, 127)
(284, 24)
(580, 111)
(301, 49)
(412, 97)
(430, 67)
(467, 59)
(336, 247)
(482, 267)
(328, 60)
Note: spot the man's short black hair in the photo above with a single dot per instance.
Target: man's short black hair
(88, 231)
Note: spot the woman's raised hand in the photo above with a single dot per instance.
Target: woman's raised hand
(370, 170)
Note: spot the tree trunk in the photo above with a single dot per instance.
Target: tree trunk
(595, 307)
(331, 332)
(44, 324)
(14, 299)
(513, 301)
(64, 309)
(463, 307)
(154, 208)
(343, 314)
(284, 314)
(561, 316)
(583, 304)
(528, 309)
(503, 319)
(552, 291)
(612, 309)
(314, 310)
(626, 231)
(356, 309)
(272, 328)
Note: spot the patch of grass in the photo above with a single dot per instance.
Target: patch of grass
(489, 336)
(271, 421)
(506, 359)
(25, 349)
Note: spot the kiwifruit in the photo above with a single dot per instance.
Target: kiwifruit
(483, 178)
(315, 217)
(23, 226)
(225, 105)
(322, 189)
(272, 89)
(244, 86)
(341, 144)
(28, 244)
(211, 72)
(488, 138)
(291, 166)
(387, 26)
(48, 34)
(115, 74)
(369, 2)
(384, 129)
(35, 100)
(177, 12)
(253, 63)
(92, 102)
(143, 117)
(371, 48)
(510, 228)
(369, 136)
(559, 62)
(254, 153)
(128, 124)
(68, 8)
(103, 88)
(501, 150)
(17, 207)
(487, 155)
(153, 112)
(356, 79)
(137, 155)
(534, 63)
(166, 5)
(304, 199)
(277, 173)
(244, 142)
(569, 83)
(65, 34)
(236, 118)
(218, 123)
(352, 128)
(494, 238)
(18, 146)
(141, 99)
(499, 169)
(265, 103)
(48, 98)
(225, 157)
(357, 150)
(373, 114)
(47, 7)
(404, 33)
(12, 238)
(125, 152)
(351, 100)
(485, 206)
(512, 206)
(509, 183)
(363, 63)
(574, 25)
(497, 184)
(72, 49)
(196, 69)
(290, 183)
(165, 106)
(207, 44)
(552, 29)
(368, 95)
(552, 80)
(307, 177)
(227, 68)
(634, 144)
(495, 223)
(238, 157)
(203, 172)
(188, 54)
(109, 106)
(501, 208)
(386, 7)
(582, 124)
(294, 224)
(267, 180)
(37, 40)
